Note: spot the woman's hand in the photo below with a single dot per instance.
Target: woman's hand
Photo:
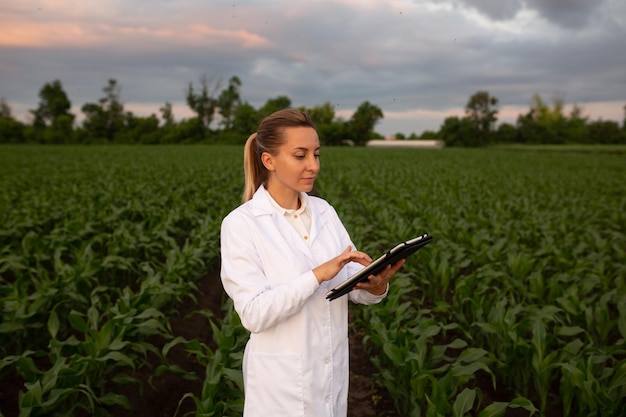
(377, 284)
(328, 270)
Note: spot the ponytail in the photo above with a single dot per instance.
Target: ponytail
(253, 172)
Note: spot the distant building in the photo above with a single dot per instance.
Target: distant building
(391, 142)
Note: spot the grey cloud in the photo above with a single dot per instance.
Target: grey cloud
(422, 57)
(571, 14)
(417, 60)
(496, 9)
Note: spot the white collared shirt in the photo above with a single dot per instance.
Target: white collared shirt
(300, 218)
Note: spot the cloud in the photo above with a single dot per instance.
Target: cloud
(496, 9)
(570, 14)
(77, 34)
(415, 59)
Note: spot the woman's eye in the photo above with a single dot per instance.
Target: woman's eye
(317, 156)
(299, 156)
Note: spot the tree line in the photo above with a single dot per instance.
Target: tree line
(542, 124)
(221, 116)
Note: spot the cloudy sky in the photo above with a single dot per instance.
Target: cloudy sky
(418, 60)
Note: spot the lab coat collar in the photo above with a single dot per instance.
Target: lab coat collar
(261, 206)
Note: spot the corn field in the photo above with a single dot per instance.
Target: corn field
(517, 308)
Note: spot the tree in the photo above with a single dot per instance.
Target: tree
(52, 105)
(321, 115)
(5, 109)
(274, 104)
(543, 124)
(332, 134)
(575, 128)
(605, 131)
(427, 134)
(167, 114)
(506, 133)
(330, 131)
(11, 130)
(624, 126)
(141, 130)
(53, 123)
(228, 101)
(481, 111)
(203, 102)
(362, 122)
(245, 120)
(103, 120)
(457, 131)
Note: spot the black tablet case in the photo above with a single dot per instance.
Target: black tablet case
(400, 251)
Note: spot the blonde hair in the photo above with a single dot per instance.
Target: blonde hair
(268, 138)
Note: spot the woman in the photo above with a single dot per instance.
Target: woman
(282, 251)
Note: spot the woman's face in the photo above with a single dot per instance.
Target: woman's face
(295, 167)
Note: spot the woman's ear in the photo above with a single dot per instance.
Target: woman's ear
(268, 161)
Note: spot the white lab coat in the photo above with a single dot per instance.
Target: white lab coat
(296, 361)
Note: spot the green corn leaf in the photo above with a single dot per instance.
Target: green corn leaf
(33, 396)
(118, 344)
(394, 353)
(235, 375)
(573, 347)
(11, 327)
(104, 336)
(569, 331)
(472, 355)
(463, 402)
(117, 357)
(149, 313)
(123, 379)
(495, 409)
(169, 345)
(57, 396)
(618, 381)
(524, 403)
(151, 326)
(111, 398)
(469, 369)
(77, 321)
(53, 324)
(12, 262)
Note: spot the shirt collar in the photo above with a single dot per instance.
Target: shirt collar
(287, 212)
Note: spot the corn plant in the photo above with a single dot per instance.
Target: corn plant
(222, 387)
(522, 293)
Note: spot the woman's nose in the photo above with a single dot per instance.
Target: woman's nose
(314, 164)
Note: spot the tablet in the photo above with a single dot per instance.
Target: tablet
(400, 251)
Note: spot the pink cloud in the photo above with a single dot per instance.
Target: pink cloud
(27, 34)
(62, 33)
(243, 37)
